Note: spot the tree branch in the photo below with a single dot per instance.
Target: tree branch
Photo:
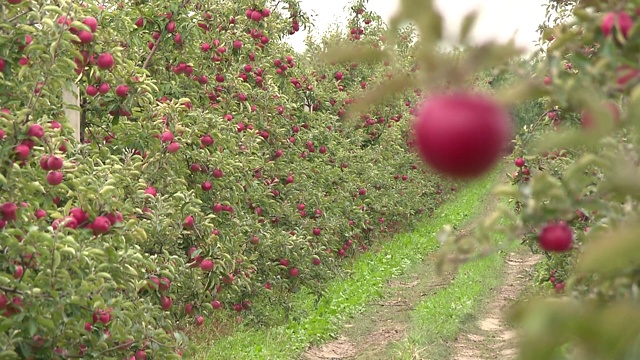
(11, 290)
(153, 51)
(19, 15)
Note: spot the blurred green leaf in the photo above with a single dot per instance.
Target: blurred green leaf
(375, 96)
(612, 251)
(468, 22)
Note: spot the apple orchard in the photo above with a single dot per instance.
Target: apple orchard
(215, 166)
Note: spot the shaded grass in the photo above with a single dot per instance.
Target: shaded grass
(347, 297)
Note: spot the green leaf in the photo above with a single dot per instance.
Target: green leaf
(46, 323)
(468, 22)
(491, 54)
(6, 324)
(68, 251)
(375, 96)
(569, 139)
(48, 23)
(525, 90)
(8, 355)
(53, 9)
(612, 251)
(104, 275)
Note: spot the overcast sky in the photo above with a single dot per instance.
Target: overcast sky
(498, 19)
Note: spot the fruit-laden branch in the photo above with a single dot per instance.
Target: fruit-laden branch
(155, 45)
(117, 347)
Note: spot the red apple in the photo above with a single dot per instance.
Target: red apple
(171, 26)
(91, 22)
(173, 147)
(556, 237)
(36, 130)
(122, 90)
(18, 272)
(166, 136)
(188, 222)
(165, 302)
(91, 90)
(85, 36)
(54, 178)
(206, 140)
(104, 88)
(151, 191)
(165, 284)
(40, 213)
(100, 225)
(79, 214)
(461, 135)
(105, 61)
(206, 265)
(140, 355)
(9, 211)
(22, 151)
(206, 186)
(54, 163)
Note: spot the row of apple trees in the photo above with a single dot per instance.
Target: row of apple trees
(213, 164)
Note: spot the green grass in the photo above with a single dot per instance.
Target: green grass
(347, 297)
(439, 318)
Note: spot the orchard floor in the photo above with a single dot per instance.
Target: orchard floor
(392, 328)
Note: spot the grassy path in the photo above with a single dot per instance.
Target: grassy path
(350, 297)
(419, 312)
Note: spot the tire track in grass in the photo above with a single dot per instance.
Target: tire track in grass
(346, 298)
(491, 336)
(465, 320)
(374, 333)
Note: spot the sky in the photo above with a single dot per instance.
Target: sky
(498, 19)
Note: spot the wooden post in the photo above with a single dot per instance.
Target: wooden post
(73, 115)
